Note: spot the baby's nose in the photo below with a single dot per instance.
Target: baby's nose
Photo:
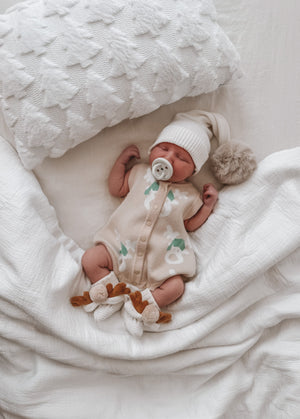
(170, 156)
(162, 169)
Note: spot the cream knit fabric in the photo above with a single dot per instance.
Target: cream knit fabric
(193, 132)
(145, 236)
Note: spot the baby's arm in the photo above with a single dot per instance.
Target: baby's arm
(210, 197)
(118, 177)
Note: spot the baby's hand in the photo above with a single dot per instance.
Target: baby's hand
(210, 195)
(129, 153)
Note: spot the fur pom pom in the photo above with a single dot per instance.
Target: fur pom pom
(233, 162)
(98, 293)
(150, 314)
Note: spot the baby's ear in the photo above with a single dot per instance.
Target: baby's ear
(233, 162)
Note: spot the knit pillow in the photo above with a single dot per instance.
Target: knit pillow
(69, 68)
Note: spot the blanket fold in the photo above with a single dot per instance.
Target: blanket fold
(242, 287)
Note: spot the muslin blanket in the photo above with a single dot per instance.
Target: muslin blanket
(238, 317)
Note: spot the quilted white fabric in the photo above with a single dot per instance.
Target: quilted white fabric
(69, 68)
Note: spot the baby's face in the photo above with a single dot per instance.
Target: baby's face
(180, 159)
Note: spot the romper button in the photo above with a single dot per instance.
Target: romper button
(136, 272)
(149, 223)
(143, 239)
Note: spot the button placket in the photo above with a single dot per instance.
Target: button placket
(146, 231)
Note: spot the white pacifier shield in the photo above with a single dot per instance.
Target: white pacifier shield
(162, 169)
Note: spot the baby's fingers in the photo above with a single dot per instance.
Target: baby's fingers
(135, 153)
(129, 153)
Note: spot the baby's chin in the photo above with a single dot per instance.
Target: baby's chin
(179, 177)
(176, 179)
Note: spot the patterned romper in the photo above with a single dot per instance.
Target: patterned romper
(145, 236)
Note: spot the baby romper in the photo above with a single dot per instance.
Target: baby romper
(145, 235)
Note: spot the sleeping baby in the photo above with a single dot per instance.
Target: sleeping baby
(142, 257)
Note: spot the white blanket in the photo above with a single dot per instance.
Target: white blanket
(236, 329)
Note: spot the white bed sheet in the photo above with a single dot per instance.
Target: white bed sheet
(263, 110)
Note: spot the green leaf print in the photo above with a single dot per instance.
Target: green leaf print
(153, 187)
(123, 250)
(177, 243)
(171, 195)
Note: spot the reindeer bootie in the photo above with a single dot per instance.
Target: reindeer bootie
(104, 298)
(141, 310)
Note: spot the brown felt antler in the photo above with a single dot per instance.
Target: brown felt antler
(164, 317)
(119, 289)
(139, 305)
(81, 300)
(137, 301)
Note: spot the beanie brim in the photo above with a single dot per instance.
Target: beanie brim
(197, 144)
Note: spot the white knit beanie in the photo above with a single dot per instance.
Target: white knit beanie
(193, 131)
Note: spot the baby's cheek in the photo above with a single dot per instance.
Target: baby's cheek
(155, 153)
(183, 169)
(180, 167)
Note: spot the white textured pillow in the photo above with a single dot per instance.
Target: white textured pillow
(69, 68)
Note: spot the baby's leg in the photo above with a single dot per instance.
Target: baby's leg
(96, 263)
(169, 291)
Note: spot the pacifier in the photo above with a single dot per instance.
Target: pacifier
(162, 169)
